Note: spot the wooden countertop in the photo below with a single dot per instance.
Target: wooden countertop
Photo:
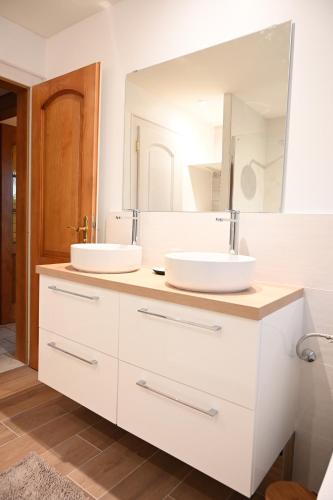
(255, 303)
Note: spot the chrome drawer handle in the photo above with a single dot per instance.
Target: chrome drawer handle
(211, 413)
(61, 290)
(88, 361)
(211, 328)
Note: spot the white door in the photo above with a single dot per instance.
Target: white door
(158, 161)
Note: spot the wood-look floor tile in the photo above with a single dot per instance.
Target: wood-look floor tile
(46, 436)
(23, 372)
(100, 474)
(18, 448)
(42, 414)
(62, 428)
(103, 434)
(6, 435)
(25, 400)
(198, 486)
(17, 380)
(70, 454)
(152, 481)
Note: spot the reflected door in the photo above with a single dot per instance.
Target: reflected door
(158, 161)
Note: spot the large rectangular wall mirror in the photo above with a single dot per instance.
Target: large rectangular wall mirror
(207, 131)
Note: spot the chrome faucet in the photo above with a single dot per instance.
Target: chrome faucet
(135, 223)
(234, 230)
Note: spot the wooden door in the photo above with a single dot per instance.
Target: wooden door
(64, 171)
(8, 224)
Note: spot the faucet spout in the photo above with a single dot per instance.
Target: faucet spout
(234, 230)
(135, 223)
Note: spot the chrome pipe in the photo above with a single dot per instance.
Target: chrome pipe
(234, 230)
(308, 354)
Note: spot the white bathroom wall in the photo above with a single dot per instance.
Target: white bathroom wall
(22, 49)
(22, 54)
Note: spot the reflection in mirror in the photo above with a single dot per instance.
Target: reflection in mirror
(206, 131)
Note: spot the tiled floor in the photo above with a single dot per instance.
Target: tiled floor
(7, 348)
(104, 460)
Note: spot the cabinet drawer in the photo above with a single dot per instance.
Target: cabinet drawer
(82, 313)
(220, 445)
(221, 362)
(91, 380)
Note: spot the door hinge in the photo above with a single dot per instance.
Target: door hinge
(137, 145)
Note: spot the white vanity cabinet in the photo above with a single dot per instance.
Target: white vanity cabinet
(223, 401)
(214, 389)
(213, 352)
(78, 343)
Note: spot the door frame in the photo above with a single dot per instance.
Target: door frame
(22, 215)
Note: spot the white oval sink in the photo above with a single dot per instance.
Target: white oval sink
(106, 257)
(209, 271)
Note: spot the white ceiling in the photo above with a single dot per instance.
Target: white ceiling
(48, 17)
(254, 68)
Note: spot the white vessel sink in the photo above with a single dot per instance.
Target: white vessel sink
(106, 257)
(209, 271)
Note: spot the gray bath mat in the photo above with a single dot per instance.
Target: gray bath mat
(33, 479)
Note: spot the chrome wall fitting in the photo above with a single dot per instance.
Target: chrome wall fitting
(308, 354)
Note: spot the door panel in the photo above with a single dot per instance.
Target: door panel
(158, 166)
(63, 112)
(160, 170)
(64, 172)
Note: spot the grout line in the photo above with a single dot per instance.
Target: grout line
(92, 458)
(46, 423)
(178, 484)
(12, 430)
(38, 426)
(102, 451)
(88, 442)
(52, 450)
(130, 473)
(31, 408)
(80, 486)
